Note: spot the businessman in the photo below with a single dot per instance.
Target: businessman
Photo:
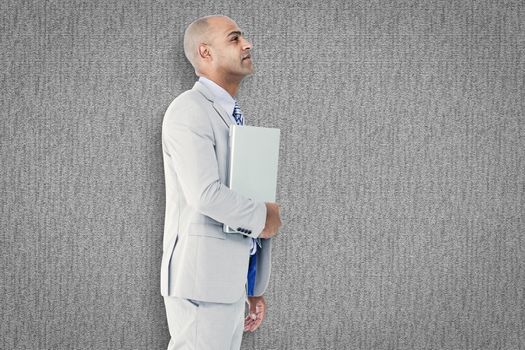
(208, 275)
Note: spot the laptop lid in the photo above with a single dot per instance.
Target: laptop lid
(253, 162)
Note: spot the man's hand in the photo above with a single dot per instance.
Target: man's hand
(256, 314)
(273, 221)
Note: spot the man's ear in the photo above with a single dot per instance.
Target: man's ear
(204, 52)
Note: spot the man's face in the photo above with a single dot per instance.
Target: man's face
(231, 56)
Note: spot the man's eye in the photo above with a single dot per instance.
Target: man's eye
(235, 38)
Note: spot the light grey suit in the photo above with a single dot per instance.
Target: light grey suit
(200, 261)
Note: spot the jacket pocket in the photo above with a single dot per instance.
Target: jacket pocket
(195, 303)
(208, 230)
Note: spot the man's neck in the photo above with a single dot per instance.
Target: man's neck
(231, 86)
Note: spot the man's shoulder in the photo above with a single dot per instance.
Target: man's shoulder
(189, 98)
(190, 104)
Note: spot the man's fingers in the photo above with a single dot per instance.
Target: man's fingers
(256, 324)
(259, 316)
(247, 327)
(249, 320)
(251, 324)
(248, 324)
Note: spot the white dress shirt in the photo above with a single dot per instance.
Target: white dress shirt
(224, 99)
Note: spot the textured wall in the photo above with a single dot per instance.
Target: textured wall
(402, 171)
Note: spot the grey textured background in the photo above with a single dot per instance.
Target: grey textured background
(401, 179)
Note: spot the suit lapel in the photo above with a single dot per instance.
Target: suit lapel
(209, 96)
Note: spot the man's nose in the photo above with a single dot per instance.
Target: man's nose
(246, 44)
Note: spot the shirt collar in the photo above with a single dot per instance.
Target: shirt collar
(223, 98)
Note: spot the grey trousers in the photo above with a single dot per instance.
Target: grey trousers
(198, 325)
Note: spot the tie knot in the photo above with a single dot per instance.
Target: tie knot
(237, 114)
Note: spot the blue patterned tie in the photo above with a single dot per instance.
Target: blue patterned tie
(237, 115)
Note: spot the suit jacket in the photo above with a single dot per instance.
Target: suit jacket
(199, 260)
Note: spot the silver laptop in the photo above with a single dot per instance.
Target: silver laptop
(253, 162)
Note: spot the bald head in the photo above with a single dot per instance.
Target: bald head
(217, 49)
(198, 32)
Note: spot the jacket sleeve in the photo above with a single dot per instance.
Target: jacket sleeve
(188, 139)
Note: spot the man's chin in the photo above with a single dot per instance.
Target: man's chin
(248, 66)
(250, 71)
(246, 74)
